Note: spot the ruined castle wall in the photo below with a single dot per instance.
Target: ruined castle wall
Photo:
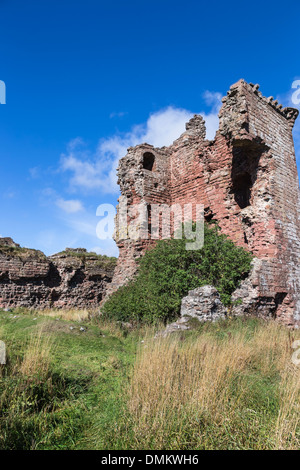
(247, 180)
(29, 279)
(254, 126)
(201, 173)
(22, 278)
(144, 185)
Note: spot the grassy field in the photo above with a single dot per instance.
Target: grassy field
(75, 382)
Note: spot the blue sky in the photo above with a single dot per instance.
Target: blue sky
(86, 79)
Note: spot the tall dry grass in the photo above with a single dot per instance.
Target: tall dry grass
(37, 357)
(32, 396)
(2, 366)
(74, 314)
(25, 386)
(288, 421)
(239, 390)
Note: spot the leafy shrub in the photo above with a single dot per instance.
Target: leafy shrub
(168, 271)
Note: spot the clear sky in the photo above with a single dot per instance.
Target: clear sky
(86, 79)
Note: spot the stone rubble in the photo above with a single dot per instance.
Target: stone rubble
(202, 304)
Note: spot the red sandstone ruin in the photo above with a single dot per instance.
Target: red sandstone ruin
(247, 180)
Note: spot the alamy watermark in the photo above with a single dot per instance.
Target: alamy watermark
(296, 93)
(152, 221)
(2, 92)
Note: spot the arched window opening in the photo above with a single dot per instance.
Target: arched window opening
(148, 161)
(245, 166)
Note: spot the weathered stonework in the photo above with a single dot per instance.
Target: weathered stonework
(203, 304)
(247, 180)
(72, 279)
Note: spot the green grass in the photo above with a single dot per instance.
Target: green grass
(100, 260)
(23, 253)
(87, 370)
(17, 251)
(229, 385)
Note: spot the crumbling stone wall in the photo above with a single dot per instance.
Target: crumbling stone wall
(71, 279)
(247, 180)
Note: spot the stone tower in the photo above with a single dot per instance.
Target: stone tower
(247, 180)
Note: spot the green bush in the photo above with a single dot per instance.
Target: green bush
(168, 271)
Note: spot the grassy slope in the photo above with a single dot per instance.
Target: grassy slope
(88, 370)
(229, 385)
